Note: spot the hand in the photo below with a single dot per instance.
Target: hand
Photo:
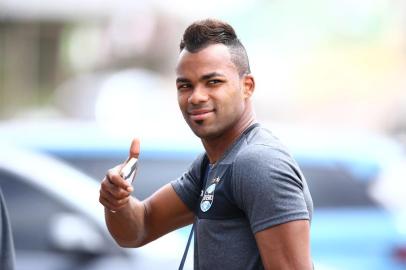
(114, 190)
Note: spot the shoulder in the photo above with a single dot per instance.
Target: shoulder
(261, 146)
(263, 157)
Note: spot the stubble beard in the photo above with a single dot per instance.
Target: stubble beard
(203, 130)
(209, 132)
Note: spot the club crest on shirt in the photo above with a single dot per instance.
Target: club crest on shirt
(208, 195)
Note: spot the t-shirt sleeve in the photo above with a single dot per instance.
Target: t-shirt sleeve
(188, 186)
(268, 187)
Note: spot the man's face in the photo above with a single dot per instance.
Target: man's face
(210, 90)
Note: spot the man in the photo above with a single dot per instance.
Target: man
(248, 199)
(6, 239)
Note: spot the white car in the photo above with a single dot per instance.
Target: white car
(58, 223)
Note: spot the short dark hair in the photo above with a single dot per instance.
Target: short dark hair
(201, 34)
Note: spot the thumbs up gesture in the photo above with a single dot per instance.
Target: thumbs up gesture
(129, 170)
(116, 187)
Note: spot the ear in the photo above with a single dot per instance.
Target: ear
(249, 85)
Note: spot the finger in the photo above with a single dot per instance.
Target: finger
(110, 205)
(114, 191)
(105, 200)
(114, 177)
(111, 202)
(134, 148)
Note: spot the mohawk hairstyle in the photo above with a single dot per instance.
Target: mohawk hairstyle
(201, 34)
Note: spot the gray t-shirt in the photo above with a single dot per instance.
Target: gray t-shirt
(254, 186)
(6, 239)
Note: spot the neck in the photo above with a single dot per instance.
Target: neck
(217, 146)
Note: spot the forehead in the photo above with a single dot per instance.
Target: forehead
(214, 58)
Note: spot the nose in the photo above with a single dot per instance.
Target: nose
(198, 95)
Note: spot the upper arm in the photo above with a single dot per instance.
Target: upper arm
(285, 246)
(273, 194)
(165, 212)
(269, 189)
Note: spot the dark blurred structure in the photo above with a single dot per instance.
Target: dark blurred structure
(29, 63)
(42, 46)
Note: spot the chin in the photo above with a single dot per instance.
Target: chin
(205, 132)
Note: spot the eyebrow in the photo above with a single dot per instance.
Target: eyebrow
(202, 78)
(211, 75)
(182, 80)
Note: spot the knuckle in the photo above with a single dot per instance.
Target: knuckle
(103, 202)
(114, 171)
(105, 187)
(122, 193)
(113, 192)
(102, 194)
(109, 173)
(103, 184)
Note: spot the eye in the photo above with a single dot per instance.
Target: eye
(214, 82)
(183, 86)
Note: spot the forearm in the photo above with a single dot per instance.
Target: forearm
(287, 263)
(133, 223)
(127, 225)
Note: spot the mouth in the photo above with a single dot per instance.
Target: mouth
(200, 114)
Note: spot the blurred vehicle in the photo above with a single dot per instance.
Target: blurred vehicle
(86, 146)
(359, 220)
(58, 224)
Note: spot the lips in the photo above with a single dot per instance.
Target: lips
(200, 114)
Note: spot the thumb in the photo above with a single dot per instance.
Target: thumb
(134, 148)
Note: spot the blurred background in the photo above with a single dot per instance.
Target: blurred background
(79, 79)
